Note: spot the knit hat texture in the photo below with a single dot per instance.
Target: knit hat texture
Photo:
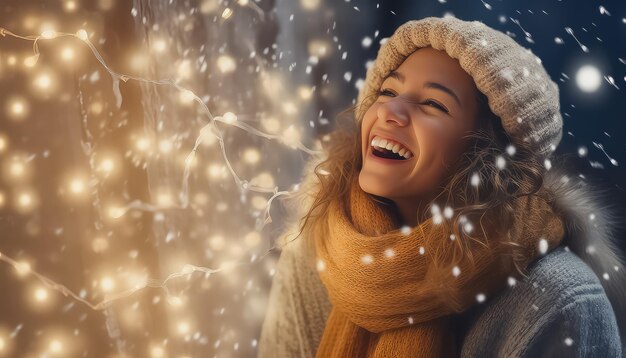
(519, 90)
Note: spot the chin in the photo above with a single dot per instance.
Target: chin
(375, 187)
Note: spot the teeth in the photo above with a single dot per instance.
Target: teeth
(389, 145)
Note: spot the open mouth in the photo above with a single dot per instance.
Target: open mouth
(386, 154)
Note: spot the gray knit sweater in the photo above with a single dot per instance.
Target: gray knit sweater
(560, 310)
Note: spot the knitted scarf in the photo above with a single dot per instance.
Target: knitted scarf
(393, 291)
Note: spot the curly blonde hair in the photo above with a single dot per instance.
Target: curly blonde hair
(491, 199)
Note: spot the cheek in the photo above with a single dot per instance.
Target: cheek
(438, 138)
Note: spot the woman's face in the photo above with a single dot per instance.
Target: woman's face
(427, 104)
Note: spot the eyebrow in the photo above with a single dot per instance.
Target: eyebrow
(428, 84)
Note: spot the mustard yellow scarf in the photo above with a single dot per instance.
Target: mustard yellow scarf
(394, 292)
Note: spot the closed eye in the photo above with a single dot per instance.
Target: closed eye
(388, 93)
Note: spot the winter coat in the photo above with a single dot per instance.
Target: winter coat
(562, 309)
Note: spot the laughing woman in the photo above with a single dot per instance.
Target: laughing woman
(435, 224)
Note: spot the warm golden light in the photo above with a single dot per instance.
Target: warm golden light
(43, 81)
(183, 328)
(17, 108)
(77, 186)
(159, 45)
(41, 294)
(229, 117)
(216, 171)
(67, 54)
(258, 202)
(226, 64)
(107, 284)
(251, 155)
(227, 13)
(48, 34)
(106, 165)
(264, 180)
(22, 268)
(252, 239)
(164, 199)
(184, 69)
(165, 146)
(115, 212)
(305, 92)
(271, 125)
(82, 34)
(4, 142)
(99, 244)
(157, 352)
(175, 301)
(319, 48)
(291, 137)
(31, 61)
(55, 346)
(138, 61)
(310, 4)
(290, 108)
(217, 242)
(2, 199)
(143, 144)
(186, 97)
(70, 5)
(17, 169)
(25, 201)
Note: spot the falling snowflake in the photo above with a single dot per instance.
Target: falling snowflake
(543, 246)
(510, 150)
(511, 281)
(480, 297)
(321, 265)
(475, 180)
(366, 42)
(500, 162)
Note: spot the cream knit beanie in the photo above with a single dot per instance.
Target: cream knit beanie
(518, 87)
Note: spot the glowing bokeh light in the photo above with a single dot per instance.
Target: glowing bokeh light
(67, 54)
(226, 64)
(588, 78)
(310, 4)
(41, 294)
(4, 142)
(107, 284)
(17, 108)
(22, 268)
(159, 45)
(77, 186)
(228, 12)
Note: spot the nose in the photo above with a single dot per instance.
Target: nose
(395, 111)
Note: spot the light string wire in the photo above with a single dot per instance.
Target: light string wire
(209, 128)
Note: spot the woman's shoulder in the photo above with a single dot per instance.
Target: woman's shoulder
(560, 306)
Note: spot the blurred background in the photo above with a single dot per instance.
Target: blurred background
(82, 276)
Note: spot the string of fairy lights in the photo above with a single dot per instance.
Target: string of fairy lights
(289, 137)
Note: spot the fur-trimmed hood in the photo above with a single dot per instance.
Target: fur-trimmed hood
(591, 233)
